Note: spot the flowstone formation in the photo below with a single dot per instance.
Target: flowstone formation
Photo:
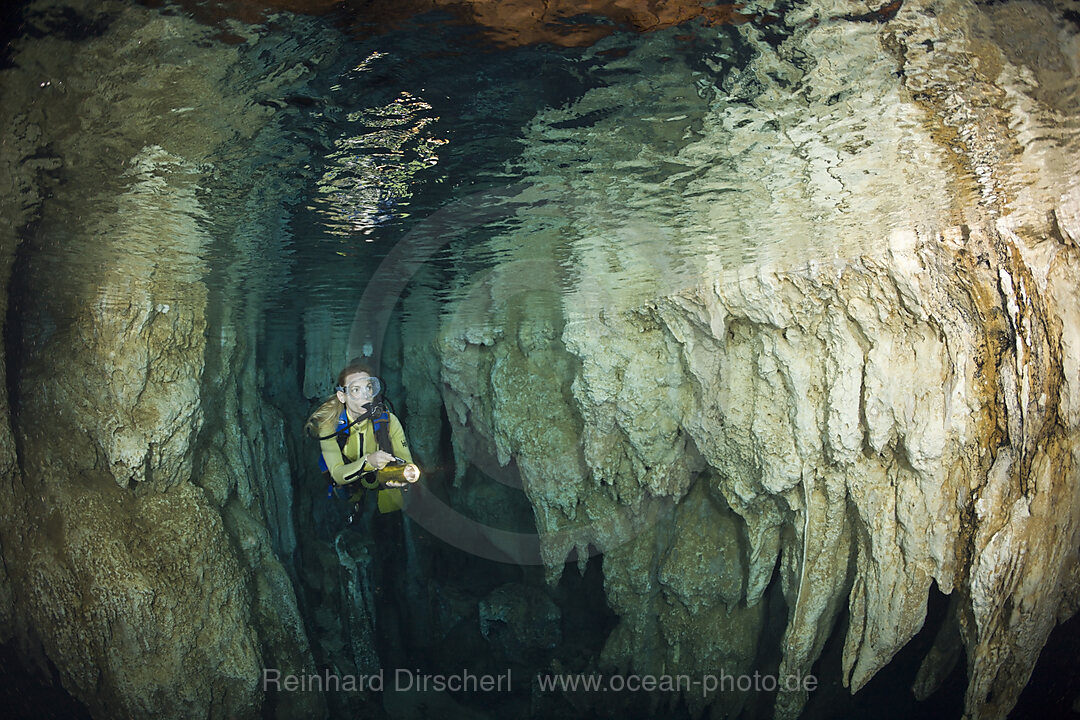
(800, 327)
(147, 511)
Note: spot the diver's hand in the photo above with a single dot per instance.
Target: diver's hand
(378, 459)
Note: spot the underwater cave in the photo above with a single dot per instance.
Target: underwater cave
(737, 346)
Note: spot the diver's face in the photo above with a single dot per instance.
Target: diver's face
(357, 393)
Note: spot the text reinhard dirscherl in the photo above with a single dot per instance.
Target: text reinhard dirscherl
(405, 680)
(402, 680)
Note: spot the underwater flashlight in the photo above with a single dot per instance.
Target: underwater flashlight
(399, 472)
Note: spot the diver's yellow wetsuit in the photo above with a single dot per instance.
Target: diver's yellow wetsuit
(344, 462)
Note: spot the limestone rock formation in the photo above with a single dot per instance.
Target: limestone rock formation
(856, 377)
(787, 328)
(147, 512)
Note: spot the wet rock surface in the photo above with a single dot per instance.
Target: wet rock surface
(892, 408)
(143, 535)
(517, 619)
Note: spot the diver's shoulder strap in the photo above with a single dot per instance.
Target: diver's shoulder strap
(341, 429)
(342, 433)
(380, 420)
(381, 423)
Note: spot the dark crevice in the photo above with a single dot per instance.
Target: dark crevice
(58, 22)
(760, 706)
(26, 695)
(883, 14)
(1053, 691)
(11, 27)
(888, 695)
(19, 299)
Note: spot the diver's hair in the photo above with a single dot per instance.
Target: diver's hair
(319, 423)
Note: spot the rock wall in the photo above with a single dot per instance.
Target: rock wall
(147, 532)
(809, 320)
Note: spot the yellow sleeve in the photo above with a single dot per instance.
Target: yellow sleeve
(398, 441)
(335, 461)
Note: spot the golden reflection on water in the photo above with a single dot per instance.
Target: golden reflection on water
(372, 173)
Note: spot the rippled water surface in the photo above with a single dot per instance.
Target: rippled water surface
(594, 159)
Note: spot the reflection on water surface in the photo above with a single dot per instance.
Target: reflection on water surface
(649, 149)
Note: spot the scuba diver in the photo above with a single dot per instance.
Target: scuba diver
(363, 445)
(364, 454)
